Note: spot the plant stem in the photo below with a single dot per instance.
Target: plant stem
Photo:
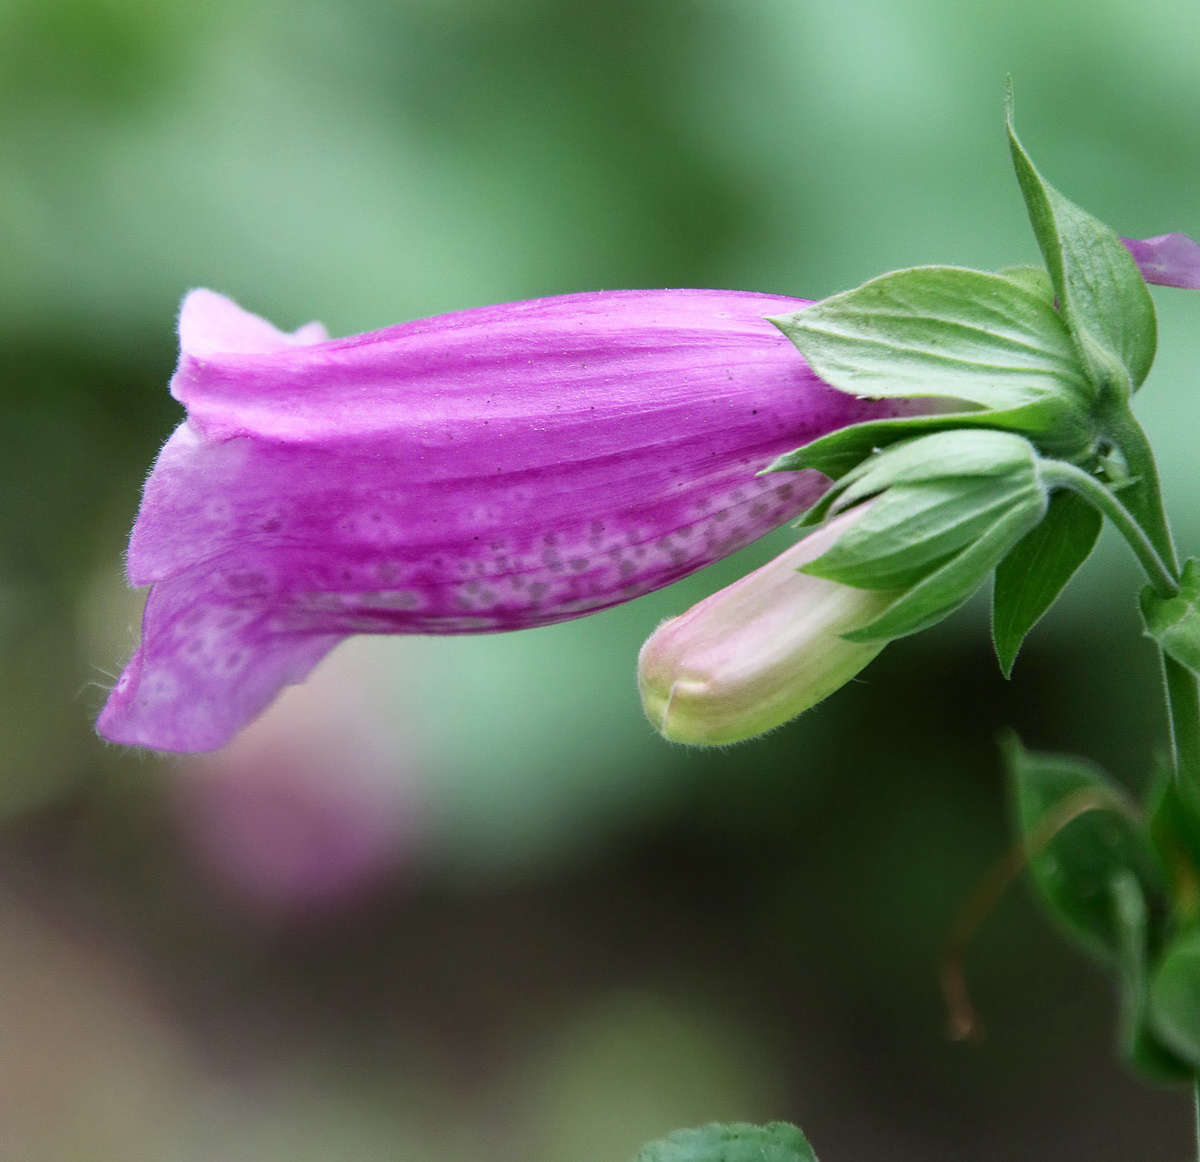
(1183, 708)
(1064, 475)
(1144, 502)
(1196, 1108)
(1143, 496)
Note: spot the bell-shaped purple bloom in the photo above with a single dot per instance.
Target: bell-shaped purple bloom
(493, 469)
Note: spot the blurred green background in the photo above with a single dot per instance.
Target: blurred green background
(454, 900)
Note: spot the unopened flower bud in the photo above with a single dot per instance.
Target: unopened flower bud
(759, 651)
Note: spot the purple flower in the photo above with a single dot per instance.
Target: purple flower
(1167, 259)
(493, 469)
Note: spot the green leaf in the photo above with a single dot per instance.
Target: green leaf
(1033, 278)
(1056, 426)
(943, 591)
(1175, 829)
(1030, 579)
(1140, 1045)
(1082, 835)
(940, 331)
(913, 529)
(1174, 622)
(1103, 296)
(732, 1142)
(1175, 998)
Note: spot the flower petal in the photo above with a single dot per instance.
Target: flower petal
(211, 324)
(208, 663)
(1167, 259)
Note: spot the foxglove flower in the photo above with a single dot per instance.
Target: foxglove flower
(760, 651)
(494, 469)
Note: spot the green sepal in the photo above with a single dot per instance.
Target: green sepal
(1175, 998)
(1055, 425)
(940, 492)
(1100, 290)
(1174, 622)
(732, 1142)
(941, 331)
(913, 529)
(946, 455)
(1139, 1043)
(951, 585)
(1075, 858)
(1030, 579)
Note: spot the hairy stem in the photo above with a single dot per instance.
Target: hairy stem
(1059, 474)
(1144, 502)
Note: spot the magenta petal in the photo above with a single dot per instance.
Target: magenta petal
(208, 663)
(211, 324)
(489, 470)
(1167, 260)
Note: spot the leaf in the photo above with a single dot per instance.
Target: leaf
(1101, 291)
(1174, 622)
(1082, 835)
(732, 1142)
(1175, 829)
(1093, 865)
(1175, 998)
(1033, 278)
(941, 331)
(1030, 579)
(1055, 425)
(1139, 1044)
(940, 593)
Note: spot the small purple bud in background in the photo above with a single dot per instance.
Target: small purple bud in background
(313, 807)
(495, 469)
(760, 651)
(1167, 260)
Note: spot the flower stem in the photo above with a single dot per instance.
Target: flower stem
(1058, 473)
(1183, 707)
(1144, 503)
(1143, 496)
(1196, 1108)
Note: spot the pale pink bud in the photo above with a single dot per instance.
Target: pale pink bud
(759, 651)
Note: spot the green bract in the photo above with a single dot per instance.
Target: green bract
(1174, 622)
(952, 505)
(984, 341)
(1100, 290)
(1030, 579)
(944, 456)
